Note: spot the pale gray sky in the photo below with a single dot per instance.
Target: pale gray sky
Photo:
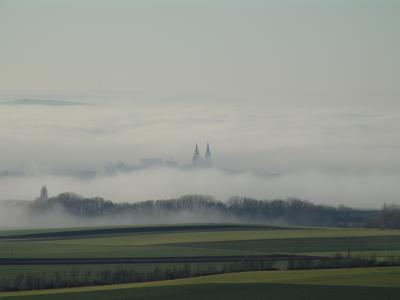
(200, 47)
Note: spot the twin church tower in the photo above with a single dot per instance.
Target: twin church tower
(198, 161)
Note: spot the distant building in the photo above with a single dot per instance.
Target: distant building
(207, 159)
(198, 161)
(43, 194)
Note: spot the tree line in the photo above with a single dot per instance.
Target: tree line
(339, 261)
(291, 211)
(76, 277)
(389, 217)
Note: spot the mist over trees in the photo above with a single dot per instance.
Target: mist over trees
(389, 217)
(203, 208)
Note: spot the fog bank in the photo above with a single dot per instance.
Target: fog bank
(350, 189)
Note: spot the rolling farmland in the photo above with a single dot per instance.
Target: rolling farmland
(370, 283)
(84, 253)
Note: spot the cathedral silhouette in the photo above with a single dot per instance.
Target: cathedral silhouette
(198, 161)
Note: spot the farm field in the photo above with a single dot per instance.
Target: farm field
(197, 240)
(80, 254)
(366, 283)
(106, 230)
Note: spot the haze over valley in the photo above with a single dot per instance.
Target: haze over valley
(262, 148)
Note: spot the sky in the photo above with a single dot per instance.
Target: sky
(306, 90)
(200, 47)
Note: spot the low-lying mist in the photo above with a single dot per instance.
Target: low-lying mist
(18, 214)
(350, 189)
(321, 151)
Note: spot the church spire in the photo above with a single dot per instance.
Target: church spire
(208, 156)
(196, 156)
(43, 194)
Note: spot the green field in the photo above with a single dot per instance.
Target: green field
(209, 240)
(206, 241)
(367, 283)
